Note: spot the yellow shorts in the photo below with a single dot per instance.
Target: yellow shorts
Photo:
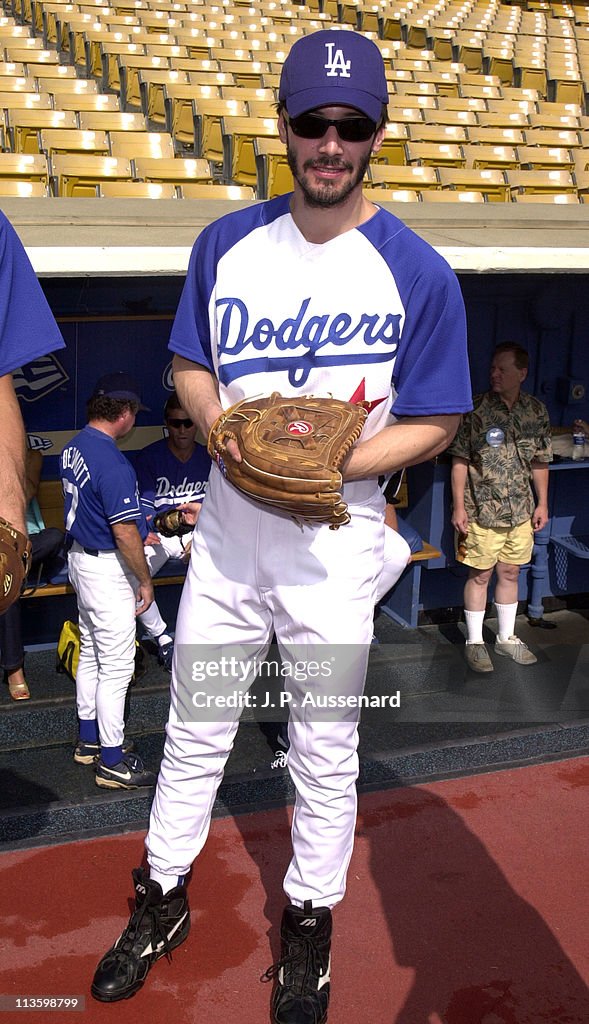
(483, 546)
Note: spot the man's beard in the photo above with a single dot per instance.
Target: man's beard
(327, 194)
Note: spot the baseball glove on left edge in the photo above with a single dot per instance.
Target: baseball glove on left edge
(15, 562)
(292, 452)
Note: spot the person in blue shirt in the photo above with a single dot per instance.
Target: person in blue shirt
(171, 473)
(106, 565)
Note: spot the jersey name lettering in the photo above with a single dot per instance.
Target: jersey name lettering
(72, 459)
(336, 65)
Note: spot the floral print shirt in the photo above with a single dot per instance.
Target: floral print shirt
(500, 444)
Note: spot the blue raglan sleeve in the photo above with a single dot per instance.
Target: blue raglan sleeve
(191, 333)
(431, 375)
(27, 326)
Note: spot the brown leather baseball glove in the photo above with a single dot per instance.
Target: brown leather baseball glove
(172, 523)
(292, 452)
(15, 562)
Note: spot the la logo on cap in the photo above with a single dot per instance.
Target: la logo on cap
(337, 66)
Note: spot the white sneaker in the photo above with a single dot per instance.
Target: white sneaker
(515, 649)
(477, 658)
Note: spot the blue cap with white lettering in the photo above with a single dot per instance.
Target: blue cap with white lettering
(334, 67)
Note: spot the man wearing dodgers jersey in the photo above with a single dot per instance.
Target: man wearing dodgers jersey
(106, 565)
(318, 292)
(170, 473)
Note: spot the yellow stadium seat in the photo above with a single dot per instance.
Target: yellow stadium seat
(415, 177)
(24, 167)
(112, 121)
(484, 156)
(176, 170)
(274, 177)
(238, 134)
(136, 190)
(545, 157)
(541, 181)
(431, 154)
(139, 144)
(72, 140)
(189, 190)
(392, 195)
(24, 126)
(555, 198)
(77, 174)
(23, 189)
(452, 196)
(490, 181)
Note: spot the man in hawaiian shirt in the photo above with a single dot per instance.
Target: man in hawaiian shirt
(500, 459)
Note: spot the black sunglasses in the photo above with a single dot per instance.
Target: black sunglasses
(349, 129)
(180, 423)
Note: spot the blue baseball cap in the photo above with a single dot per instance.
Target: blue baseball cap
(119, 385)
(334, 67)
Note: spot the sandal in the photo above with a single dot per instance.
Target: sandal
(18, 688)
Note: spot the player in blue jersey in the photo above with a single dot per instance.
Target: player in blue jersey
(27, 331)
(171, 473)
(105, 528)
(318, 292)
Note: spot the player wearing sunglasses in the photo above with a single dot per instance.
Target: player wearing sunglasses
(170, 472)
(318, 292)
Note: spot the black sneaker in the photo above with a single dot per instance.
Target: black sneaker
(129, 773)
(301, 995)
(88, 753)
(157, 925)
(165, 655)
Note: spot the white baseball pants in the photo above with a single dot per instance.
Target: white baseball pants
(253, 571)
(156, 556)
(396, 556)
(105, 592)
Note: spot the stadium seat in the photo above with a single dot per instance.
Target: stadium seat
(72, 140)
(238, 134)
(79, 103)
(24, 167)
(392, 195)
(273, 175)
(438, 133)
(139, 144)
(415, 177)
(392, 150)
(490, 181)
(75, 174)
(190, 190)
(484, 156)
(23, 189)
(431, 154)
(541, 181)
(24, 126)
(177, 170)
(545, 157)
(451, 196)
(112, 121)
(489, 136)
(136, 190)
(556, 198)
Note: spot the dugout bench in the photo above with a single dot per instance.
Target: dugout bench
(402, 603)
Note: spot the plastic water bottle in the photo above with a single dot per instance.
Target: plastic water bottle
(578, 445)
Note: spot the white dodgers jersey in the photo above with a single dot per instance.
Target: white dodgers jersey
(373, 315)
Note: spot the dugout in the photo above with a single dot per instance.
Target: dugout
(113, 270)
